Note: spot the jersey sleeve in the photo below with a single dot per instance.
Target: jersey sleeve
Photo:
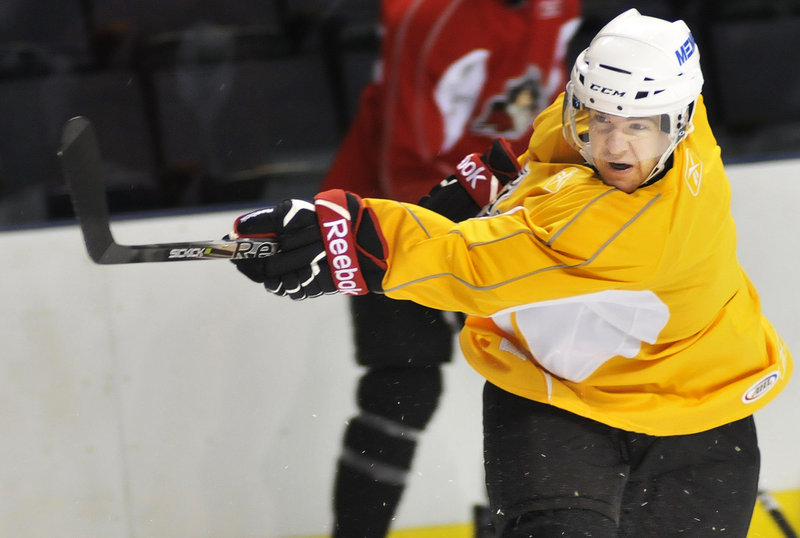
(528, 254)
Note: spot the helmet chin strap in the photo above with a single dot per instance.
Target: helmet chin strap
(684, 126)
(656, 174)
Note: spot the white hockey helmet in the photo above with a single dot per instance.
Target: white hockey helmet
(636, 66)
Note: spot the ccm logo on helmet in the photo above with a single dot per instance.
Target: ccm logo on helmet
(606, 91)
(686, 51)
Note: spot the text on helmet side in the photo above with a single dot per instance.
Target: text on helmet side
(686, 51)
(606, 91)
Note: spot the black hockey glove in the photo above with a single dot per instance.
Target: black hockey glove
(476, 184)
(332, 245)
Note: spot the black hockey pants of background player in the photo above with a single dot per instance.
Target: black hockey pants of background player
(402, 346)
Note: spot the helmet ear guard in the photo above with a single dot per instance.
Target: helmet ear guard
(636, 66)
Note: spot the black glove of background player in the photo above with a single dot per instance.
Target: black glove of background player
(476, 184)
(331, 245)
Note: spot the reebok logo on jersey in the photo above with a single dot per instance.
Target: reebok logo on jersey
(555, 183)
(693, 172)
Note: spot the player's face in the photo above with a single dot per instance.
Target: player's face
(625, 150)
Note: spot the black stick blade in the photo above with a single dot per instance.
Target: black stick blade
(82, 167)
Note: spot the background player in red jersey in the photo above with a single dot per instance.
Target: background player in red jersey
(454, 75)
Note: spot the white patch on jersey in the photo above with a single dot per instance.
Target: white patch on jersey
(573, 337)
(693, 172)
(457, 91)
(507, 346)
(549, 382)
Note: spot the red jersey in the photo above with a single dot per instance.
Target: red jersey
(454, 75)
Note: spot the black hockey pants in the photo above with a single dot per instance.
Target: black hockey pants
(552, 473)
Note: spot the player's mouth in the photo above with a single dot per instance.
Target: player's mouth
(620, 167)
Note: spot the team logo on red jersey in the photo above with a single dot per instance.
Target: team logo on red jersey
(511, 113)
(550, 9)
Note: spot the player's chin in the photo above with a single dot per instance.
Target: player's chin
(625, 178)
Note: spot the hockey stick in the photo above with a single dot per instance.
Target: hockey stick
(81, 164)
(774, 510)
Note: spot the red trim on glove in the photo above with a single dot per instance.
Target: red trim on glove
(340, 243)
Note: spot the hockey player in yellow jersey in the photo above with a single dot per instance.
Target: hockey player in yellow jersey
(624, 347)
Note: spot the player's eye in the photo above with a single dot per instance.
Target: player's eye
(640, 126)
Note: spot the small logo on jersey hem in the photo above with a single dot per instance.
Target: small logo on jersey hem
(760, 388)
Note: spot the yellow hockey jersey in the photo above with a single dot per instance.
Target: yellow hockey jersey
(629, 309)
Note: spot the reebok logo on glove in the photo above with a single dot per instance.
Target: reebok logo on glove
(340, 245)
(473, 176)
(470, 168)
(333, 245)
(344, 266)
(477, 182)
